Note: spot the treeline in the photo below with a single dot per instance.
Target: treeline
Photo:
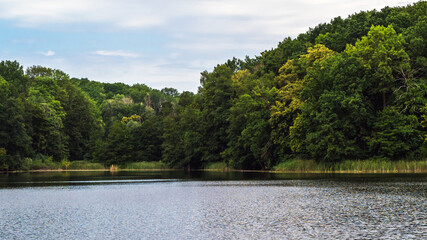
(350, 89)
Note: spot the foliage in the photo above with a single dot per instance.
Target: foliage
(353, 88)
(382, 52)
(217, 96)
(395, 135)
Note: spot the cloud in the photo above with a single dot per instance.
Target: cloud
(48, 53)
(109, 13)
(152, 73)
(117, 53)
(217, 16)
(166, 41)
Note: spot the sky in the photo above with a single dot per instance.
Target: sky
(160, 43)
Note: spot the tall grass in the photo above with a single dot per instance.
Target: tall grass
(299, 165)
(381, 166)
(144, 165)
(84, 165)
(356, 166)
(217, 166)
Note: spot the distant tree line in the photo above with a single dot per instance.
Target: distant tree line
(353, 88)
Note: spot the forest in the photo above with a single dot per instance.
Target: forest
(351, 89)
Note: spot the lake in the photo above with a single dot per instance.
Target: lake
(212, 205)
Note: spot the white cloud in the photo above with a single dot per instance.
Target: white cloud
(110, 13)
(214, 16)
(117, 53)
(152, 73)
(215, 45)
(192, 35)
(48, 53)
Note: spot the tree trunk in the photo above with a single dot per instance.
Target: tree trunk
(383, 100)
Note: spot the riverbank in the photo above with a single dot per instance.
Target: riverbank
(291, 166)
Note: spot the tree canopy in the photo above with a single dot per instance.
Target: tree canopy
(353, 88)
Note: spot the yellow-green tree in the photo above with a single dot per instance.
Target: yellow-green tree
(292, 80)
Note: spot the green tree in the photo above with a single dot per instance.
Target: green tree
(82, 122)
(292, 80)
(395, 135)
(335, 118)
(250, 146)
(48, 115)
(383, 52)
(138, 92)
(95, 90)
(13, 73)
(14, 139)
(146, 140)
(183, 138)
(118, 145)
(217, 95)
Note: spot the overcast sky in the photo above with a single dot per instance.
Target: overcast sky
(161, 43)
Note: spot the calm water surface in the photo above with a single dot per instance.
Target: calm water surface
(206, 205)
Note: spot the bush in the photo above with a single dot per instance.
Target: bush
(144, 165)
(26, 164)
(42, 162)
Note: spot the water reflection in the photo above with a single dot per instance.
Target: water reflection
(106, 177)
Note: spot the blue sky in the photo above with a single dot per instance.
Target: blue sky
(162, 43)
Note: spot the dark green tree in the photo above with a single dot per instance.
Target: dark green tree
(217, 95)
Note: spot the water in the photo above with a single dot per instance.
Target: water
(198, 205)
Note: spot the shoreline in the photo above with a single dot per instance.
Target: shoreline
(222, 170)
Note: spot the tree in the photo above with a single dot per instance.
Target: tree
(120, 106)
(95, 90)
(13, 73)
(336, 115)
(138, 92)
(383, 53)
(14, 139)
(170, 92)
(118, 145)
(183, 138)
(293, 80)
(250, 146)
(82, 122)
(395, 135)
(48, 117)
(154, 100)
(217, 99)
(146, 139)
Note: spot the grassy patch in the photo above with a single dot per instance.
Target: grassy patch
(144, 165)
(217, 166)
(299, 165)
(84, 165)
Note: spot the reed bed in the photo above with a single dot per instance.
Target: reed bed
(356, 166)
